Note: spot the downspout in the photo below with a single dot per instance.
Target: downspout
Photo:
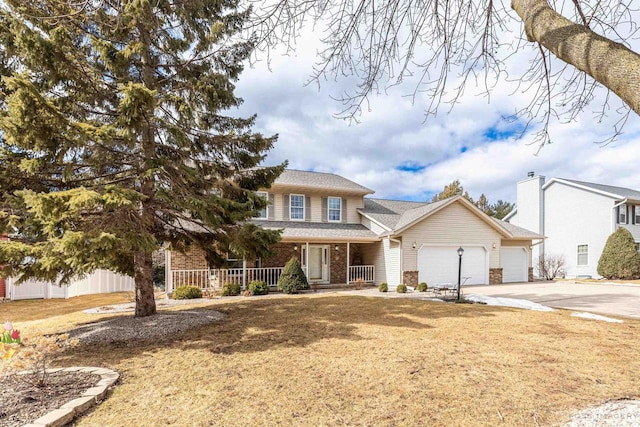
(613, 214)
(399, 242)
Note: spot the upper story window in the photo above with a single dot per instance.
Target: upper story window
(622, 215)
(296, 207)
(334, 209)
(583, 254)
(263, 213)
(636, 214)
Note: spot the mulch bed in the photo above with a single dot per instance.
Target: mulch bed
(22, 403)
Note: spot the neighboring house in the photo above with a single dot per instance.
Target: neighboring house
(576, 217)
(339, 236)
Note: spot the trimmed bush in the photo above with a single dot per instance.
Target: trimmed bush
(258, 287)
(187, 292)
(383, 287)
(230, 289)
(401, 288)
(422, 287)
(158, 276)
(620, 258)
(292, 279)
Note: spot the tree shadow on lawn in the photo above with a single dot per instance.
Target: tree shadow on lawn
(259, 325)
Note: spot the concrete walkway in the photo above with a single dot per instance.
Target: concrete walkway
(605, 298)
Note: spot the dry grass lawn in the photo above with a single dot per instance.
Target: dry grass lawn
(337, 360)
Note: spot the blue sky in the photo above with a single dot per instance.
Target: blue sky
(396, 152)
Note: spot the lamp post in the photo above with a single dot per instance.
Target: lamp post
(460, 252)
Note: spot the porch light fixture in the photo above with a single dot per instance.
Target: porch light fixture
(295, 248)
(336, 248)
(493, 245)
(460, 252)
(415, 245)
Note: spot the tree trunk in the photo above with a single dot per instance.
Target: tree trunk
(608, 62)
(143, 275)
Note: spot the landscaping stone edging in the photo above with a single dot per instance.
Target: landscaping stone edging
(91, 397)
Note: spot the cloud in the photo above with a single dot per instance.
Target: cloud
(396, 152)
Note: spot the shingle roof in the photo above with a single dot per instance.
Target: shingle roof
(331, 231)
(388, 212)
(319, 180)
(619, 191)
(414, 214)
(517, 232)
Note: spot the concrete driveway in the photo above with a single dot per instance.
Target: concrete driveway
(604, 298)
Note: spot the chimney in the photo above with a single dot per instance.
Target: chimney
(530, 174)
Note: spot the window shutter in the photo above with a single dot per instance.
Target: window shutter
(285, 207)
(633, 214)
(626, 215)
(617, 214)
(325, 208)
(271, 207)
(344, 210)
(307, 208)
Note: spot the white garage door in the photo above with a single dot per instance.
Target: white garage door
(439, 264)
(515, 265)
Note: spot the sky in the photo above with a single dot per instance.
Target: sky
(397, 153)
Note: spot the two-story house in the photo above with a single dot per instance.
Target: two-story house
(340, 235)
(576, 217)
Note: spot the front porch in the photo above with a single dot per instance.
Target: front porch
(325, 265)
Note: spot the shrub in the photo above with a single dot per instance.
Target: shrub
(620, 258)
(258, 287)
(292, 279)
(550, 266)
(230, 289)
(187, 292)
(383, 287)
(401, 288)
(422, 287)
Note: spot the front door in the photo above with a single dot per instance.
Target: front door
(318, 270)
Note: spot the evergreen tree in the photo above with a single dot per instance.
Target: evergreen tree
(620, 258)
(499, 210)
(115, 138)
(292, 278)
(502, 208)
(450, 190)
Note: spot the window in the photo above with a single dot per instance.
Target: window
(622, 216)
(334, 209)
(636, 212)
(263, 213)
(296, 207)
(583, 254)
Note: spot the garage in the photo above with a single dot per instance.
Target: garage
(515, 265)
(439, 264)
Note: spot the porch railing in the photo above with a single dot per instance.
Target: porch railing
(205, 278)
(364, 272)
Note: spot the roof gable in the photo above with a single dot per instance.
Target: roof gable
(614, 192)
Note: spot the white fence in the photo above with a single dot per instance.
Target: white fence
(98, 282)
(364, 272)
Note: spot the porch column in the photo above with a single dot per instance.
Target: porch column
(306, 259)
(168, 275)
(244, 273)
(348, 258)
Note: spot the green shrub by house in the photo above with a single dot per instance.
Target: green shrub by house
(401, 288)
(187, 292)
(620, 258)
(230, 289)
(383, 287)
(257, 287)
(292, 279)
(422, 287)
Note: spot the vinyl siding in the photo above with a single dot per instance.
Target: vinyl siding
(372, 226)
(385, 255)
(353, 204)
(453, 225)
(577, 217)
